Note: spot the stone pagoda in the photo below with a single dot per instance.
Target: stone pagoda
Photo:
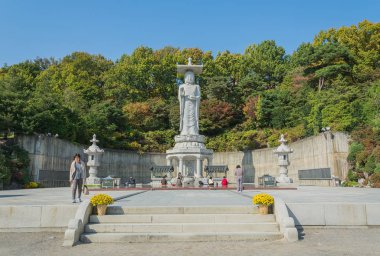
(189, 151)
(282, 153)
(93, 162)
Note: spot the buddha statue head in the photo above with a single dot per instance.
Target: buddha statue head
(189, 77)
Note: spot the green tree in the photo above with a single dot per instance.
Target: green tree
(362, 41)
(107, 122)
(325, 62)
(266, 63)
(17, 84)
(78, 78)
(143, 75)
(371, 106)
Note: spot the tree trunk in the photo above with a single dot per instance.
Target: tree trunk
(320, 84)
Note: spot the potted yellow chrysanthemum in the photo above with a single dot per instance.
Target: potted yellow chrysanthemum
(101, 201)
(263, 200)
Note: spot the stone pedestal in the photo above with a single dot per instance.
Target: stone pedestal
(189, 152)
(94, 181)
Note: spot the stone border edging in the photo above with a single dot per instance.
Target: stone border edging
(287, 226)
(76, 226)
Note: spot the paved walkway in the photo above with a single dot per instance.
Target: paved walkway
(186, 198)
(311, 194)
(62, 196)
(47, 196)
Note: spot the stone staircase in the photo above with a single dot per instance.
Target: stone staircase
(163, 224)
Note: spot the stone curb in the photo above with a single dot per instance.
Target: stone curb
(286, 223)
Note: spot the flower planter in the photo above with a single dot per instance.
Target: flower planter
(101, 208)
(101, 201)
(263, 209)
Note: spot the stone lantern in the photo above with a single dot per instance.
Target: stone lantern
(93, 153)
(282, 153)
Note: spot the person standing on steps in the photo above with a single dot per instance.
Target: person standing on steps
(77, 177)
(239, 178)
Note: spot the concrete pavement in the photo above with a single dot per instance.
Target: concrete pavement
(48, 196)
(312, 194)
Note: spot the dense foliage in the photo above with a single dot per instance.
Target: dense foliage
(14, 165)
(247, 99)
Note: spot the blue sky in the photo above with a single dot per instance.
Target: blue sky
(57, 28)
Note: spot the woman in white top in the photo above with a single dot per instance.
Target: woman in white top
(77, 176)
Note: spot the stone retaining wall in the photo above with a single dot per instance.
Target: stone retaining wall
(322, 151)
(335, 214)
(29, 218)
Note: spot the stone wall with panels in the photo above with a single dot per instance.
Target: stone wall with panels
(322, 151)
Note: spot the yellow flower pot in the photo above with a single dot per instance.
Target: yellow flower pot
(101, 208)
(263, 209)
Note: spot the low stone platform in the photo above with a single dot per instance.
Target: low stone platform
(331, 206)
(45, 209)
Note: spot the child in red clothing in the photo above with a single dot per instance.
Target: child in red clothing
(224, 182)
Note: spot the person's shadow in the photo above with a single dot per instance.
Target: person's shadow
(299, 227)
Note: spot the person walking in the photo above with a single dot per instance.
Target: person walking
(239, 178)
(77, 177)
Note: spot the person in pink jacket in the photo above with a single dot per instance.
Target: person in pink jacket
(77, 176)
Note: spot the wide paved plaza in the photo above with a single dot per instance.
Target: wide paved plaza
(62, 196)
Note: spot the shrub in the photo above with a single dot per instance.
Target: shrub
(375, 180)
(32, 184)
(350, 184)
(355, 148)
(5, 172)
(263, 198)
(101, 199)
(352, 176)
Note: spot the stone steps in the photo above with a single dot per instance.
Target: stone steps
(119, 210)
(178, 237)
(156, 224)
(182, 218)
(180, 227)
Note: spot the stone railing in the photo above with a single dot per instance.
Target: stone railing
(286, 223)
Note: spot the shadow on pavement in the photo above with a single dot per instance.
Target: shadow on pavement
(4, 196)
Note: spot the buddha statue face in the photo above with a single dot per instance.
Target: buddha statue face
(189, 77)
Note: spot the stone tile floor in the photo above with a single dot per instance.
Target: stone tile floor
(56, 196)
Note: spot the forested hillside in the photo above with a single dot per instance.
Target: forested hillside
(247, 99)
